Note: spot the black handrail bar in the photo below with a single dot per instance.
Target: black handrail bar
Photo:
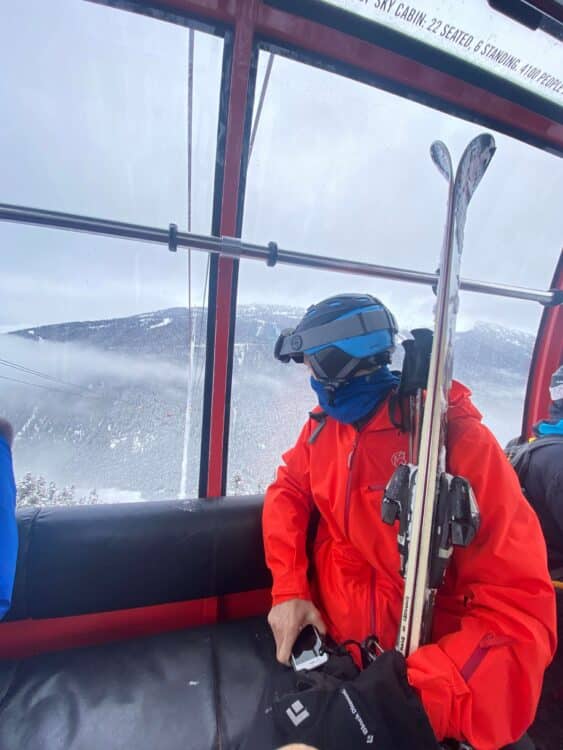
(270, 254)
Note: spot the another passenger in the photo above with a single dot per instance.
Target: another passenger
(8, 528)
(539, 465)
(480, 678)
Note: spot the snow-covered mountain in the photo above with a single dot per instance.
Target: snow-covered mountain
(112, 415)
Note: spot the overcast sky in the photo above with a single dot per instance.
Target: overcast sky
(94, 122)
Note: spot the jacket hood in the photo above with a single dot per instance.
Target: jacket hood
(460, 404)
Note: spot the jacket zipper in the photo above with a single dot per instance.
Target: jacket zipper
(351, 456)
(480, 651)
(349, 488)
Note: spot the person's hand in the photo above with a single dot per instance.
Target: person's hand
(288, 619)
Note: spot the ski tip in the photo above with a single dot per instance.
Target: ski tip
(480, 150)
(483, 142)
(475, 161)
(442, 159)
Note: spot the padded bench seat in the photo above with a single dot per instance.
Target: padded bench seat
(190, 689)
(193, 689)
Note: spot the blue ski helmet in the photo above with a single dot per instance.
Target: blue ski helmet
(341, 336)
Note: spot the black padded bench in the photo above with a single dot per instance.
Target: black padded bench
(195, 688)
(191, 689)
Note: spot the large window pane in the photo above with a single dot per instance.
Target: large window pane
(102, 341)
(94, 113)
(96, 370)
(494, 361)
(340, 168)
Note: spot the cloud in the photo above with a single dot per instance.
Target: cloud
(82, 365)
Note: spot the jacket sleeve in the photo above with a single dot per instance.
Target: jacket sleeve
(8, 527)
(481, 681)
(285, 520)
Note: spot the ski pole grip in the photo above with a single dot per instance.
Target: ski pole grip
(416, 364)
(395, 495)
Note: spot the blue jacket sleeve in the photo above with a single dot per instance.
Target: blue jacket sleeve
(8, 528)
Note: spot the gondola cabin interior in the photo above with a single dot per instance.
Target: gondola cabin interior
(180, 180)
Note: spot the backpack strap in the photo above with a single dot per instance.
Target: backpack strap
(521, 458)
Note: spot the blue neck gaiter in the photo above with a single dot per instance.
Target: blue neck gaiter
(353, 400)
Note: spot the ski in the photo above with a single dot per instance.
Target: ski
(436, 511)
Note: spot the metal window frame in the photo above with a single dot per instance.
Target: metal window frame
(213, 291)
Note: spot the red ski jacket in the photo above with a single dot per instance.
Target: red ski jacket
(494, 620)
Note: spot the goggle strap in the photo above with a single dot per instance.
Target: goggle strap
(296, 342)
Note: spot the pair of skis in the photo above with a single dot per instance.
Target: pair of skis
(435, 510)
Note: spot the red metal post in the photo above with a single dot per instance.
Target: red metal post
(240, 75)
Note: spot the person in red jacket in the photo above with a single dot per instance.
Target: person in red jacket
(480, 677)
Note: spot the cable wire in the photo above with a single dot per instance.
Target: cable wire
(260, 103)
(47, 387)
(39, 374)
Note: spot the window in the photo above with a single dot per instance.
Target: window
(103, 340)
(95, 368)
